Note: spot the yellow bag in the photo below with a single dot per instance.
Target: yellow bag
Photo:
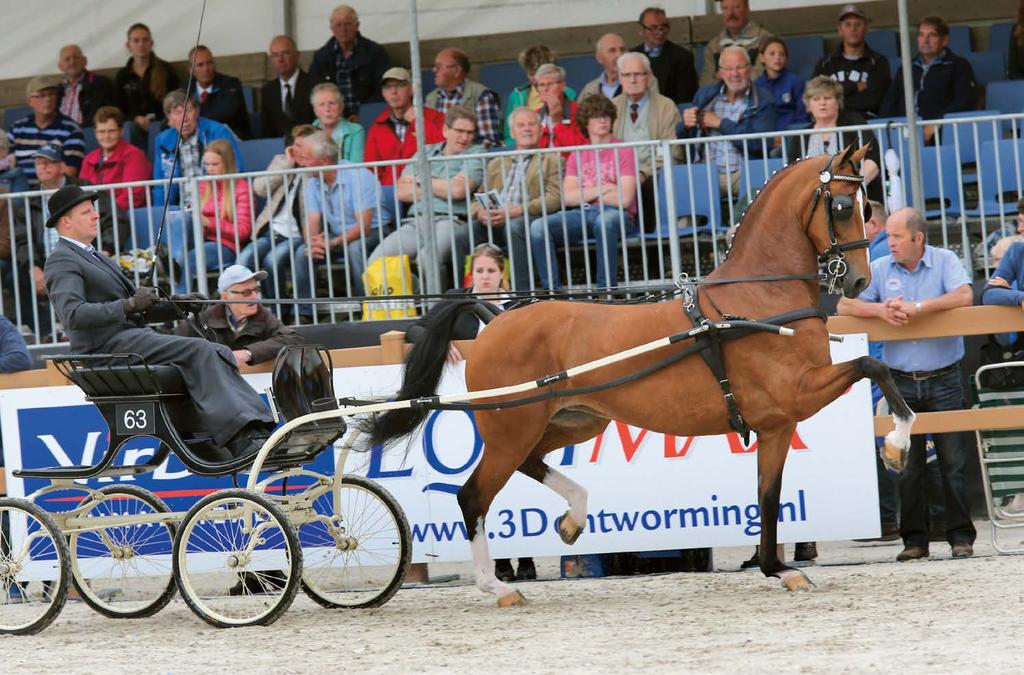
(389, 275)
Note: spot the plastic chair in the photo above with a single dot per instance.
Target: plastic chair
(885, 42)
(503, 77)
(249, 96)
(368, 112)
(12, 115)
(579, 70)
(960, 39)
(757, 173)
(999, 39)
(804, 53)
(89, 136)
(1000, 177)
(258, 152)
(941, 180)
(988, 66)
(1006, 96)
(145, 222)
(964, 134)
(894, 66)
(697, 197)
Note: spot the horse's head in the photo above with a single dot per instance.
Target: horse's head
(835, 224)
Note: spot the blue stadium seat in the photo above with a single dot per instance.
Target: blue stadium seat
(698, 57)
(885, 42)
(368, 112)
(257, 153)
(999, 38)
(503, 78)
(941, 181)
(1006, 96)
(155, 127)
(960, 39)
(427, 77)
(89, 136)
(804, 53)
(247, 94)
(256, 124)
(579, 70)
(967, 137)
(145, 222)
(697, 195)
(1000, 177)
(11, 115)
(757, 174)
(987, 66)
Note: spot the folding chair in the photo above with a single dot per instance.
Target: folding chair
(1001, 453)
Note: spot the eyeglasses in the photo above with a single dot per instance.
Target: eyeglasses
(631, 76)
(659, 28)
(245, 292)
(733, 69)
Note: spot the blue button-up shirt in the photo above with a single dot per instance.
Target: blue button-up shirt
(354, 190)
(938, 272)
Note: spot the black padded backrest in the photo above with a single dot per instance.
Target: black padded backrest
(106, 375)
(302, 381)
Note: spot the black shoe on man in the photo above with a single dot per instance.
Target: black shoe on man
(249, 439)
(912, 553)
(526, 570)
(503, 570)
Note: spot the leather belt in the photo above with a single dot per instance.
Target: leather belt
(926, 374)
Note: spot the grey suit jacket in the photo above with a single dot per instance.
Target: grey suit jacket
(88, 295)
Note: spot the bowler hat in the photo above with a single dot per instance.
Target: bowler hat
(65, 199)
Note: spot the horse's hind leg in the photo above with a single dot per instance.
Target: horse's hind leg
(772, 448)
(571, 525)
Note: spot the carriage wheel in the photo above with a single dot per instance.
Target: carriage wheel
(365, 560)
(34, 569)
(124, 571)
(237, 559)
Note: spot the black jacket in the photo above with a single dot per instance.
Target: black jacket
(847, 118)
(369, 61)
(133, 95)
(948, 87)
(872, 68)
(226, 104)
(274, 120)
(263, 334)
(96, 91)
(675, 70)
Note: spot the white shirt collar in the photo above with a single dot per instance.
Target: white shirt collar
(291, 80)
(75, 242)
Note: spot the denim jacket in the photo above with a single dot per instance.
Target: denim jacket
(759, 117)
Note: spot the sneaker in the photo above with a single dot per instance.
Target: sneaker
(912, 553)
(963, 550)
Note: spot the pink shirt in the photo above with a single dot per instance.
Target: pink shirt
(125, 164)
(614, 162)
(212, 216)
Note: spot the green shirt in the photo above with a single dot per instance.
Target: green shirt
(447, 168)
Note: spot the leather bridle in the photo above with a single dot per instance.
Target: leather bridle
(841, 206)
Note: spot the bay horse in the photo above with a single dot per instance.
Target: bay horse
(807, 214)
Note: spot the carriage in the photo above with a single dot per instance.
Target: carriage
(240, 555)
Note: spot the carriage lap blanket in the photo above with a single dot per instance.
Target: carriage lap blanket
(88, 295)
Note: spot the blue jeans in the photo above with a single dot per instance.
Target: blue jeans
(601, 225)
(275, 256)
(218, 257)
(353, 255)
(943, 392)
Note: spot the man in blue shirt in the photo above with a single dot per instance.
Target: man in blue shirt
(917, 279)
(45, 124)
(343, 219)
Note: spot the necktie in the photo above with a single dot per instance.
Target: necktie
(95, 254)
(203, 95)
(632, 111)
(289, 100)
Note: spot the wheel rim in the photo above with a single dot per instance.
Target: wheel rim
(226, 577)
(351, 576)
(127, 568)
(30, 570)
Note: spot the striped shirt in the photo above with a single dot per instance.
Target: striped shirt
(725, 155)
(26, 138)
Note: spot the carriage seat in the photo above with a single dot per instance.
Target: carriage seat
(120, 375)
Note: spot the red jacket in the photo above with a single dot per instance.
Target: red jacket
(567, 132)
(124, 165)
(382, 143)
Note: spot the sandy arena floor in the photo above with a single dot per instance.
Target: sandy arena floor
(868, 614)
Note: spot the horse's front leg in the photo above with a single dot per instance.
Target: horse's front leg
(772, 448)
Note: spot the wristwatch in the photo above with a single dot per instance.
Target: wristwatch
(917, 306)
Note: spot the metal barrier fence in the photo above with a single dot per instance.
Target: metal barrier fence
(608, 229)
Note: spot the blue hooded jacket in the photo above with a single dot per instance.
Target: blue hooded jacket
(207, 130)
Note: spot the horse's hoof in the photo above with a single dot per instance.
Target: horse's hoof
(795, 580)
(513, 599)
(894, 457)
(568, 529)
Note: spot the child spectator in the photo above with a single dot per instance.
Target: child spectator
(785, 86)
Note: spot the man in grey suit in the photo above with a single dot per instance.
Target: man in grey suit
(103, 312)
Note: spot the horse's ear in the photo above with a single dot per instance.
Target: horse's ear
(844, 155)
(861, 152)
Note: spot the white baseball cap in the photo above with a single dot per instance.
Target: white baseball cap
(236, 274)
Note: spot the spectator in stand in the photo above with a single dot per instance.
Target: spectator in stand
(672, 65)
(1015, 51)
(527, 94)
(343, 217)
(451, 68)
(14, 356)
(530, 187)
(917, 279)
(600, 192)
(329, 108)
(12, 178)
(862, 72)
(45, 125)
(251, 331)
(286, 98)
(143, 82)
(225, 213)
(642, 114)
(943, 82)
(351, 61)
(824, 100)
(1003, 243)
(116, 160)
(609, 48)
(557, 111)
(738, 31)
(393, 134)
(82, 92)
(278, 230)
(220, 96)
(197, 133)
(451, 181)
(733, 106)
(785, 86)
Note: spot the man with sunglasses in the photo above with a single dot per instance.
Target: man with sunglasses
(672, 65)
(250, 330)
(738, 31)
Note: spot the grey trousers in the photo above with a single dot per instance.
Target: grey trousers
(452, 237)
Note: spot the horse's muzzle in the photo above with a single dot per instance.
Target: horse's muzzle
(853, 284)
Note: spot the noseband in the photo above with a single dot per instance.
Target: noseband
(840, 207)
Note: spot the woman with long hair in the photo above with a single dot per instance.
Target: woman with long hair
(224, 211)
(144, 81)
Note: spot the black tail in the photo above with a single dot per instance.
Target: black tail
(423, 368)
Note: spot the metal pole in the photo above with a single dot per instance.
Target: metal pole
(288, 9)
(912, 162)
(425, 212)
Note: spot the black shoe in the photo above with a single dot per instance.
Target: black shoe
(250, 583)
(805, 550)
(527, 571)
(249, 439)
(503, 570)
(753, 562)
(912, 553)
